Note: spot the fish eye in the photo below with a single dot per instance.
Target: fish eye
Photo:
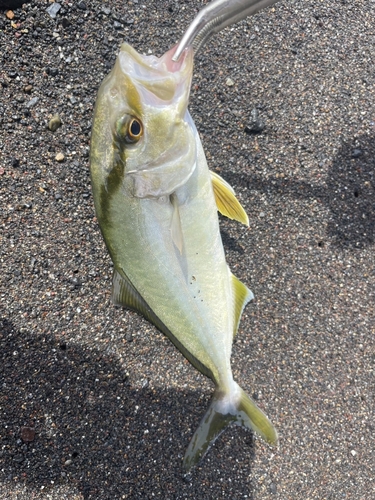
(129, 129)
(135, 129)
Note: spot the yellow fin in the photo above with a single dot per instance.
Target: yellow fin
(124, 294)
(226, 408)
(241, 296)
(226, 200)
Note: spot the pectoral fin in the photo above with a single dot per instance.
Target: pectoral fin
(241, 296)
(226, 200)
(176, 229)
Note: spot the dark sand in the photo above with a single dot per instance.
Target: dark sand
(112, 402)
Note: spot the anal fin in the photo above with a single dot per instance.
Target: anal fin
(124, 294)
(226, 200)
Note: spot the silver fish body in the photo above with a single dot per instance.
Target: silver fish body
(156, 208)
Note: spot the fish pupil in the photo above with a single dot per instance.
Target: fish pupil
(135, 128)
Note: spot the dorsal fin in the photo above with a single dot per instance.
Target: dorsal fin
(226, 200)
(241, 296)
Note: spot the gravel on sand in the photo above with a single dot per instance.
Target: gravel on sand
(94, 402)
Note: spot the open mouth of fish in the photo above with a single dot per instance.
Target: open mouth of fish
(162, 79)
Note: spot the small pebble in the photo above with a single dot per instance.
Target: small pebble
(52, 71)
(229, 82)
(53, 9)
(255, 126)
(19, 458)
(273, 488)
(356, 153)
(27, 434)
(59, 157)
(32, 102)
(54, 124)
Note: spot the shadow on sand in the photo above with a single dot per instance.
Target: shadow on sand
(349, 193)
(96, 434)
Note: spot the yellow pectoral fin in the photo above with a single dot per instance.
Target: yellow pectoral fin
(241, 296)
(226, 200)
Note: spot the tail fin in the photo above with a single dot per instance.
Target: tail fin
(236, 407)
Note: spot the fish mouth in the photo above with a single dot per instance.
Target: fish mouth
(135, 64)
(176, 66)
(161, 77)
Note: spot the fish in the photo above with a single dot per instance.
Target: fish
(157, 204)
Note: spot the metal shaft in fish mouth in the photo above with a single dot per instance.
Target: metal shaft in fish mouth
(216, 16)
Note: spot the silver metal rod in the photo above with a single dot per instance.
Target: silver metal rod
(216, 16)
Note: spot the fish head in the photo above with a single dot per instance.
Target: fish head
(143, 140)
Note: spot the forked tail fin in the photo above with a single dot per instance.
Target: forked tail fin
(236, 407)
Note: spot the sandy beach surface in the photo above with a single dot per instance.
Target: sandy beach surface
(95, 403)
